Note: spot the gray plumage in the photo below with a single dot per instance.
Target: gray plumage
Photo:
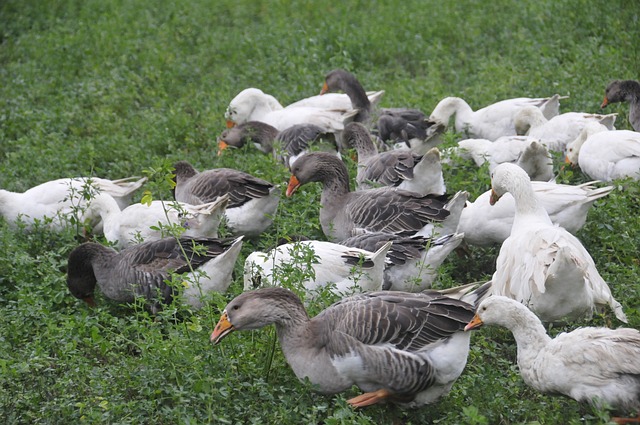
(625, 91)
(341, 80)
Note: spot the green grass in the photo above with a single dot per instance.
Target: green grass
(111, 88)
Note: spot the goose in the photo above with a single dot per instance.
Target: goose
(144, 269)
(606, 155)
(345, 270)
(595, 365)
(412, 262)
(542, 265)
(526, 152)
(556, 132)
(402, 169)
(408, 348)
(567, 205)
(144, 222)
(55, 202)
(625, 91)
(493, 121)
(285, 146)
(390, 210)
(252, 201)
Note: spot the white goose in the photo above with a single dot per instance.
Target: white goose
(542, 265)
(142, 222)
(600, 366)
(56, 201)
(348, 270)
(606, 155)
(490, 122)
(484, 224)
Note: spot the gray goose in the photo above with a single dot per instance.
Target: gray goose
(345, 213)
(398, 168)
(252, 201)
(412, 261)
(143, 269)
(625, 91)
(403, 347)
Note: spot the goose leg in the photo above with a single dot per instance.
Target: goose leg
(622, 421)
(367, 399)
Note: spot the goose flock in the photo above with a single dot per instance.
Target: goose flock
(386, 233)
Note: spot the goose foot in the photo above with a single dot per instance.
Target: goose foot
(367, 399)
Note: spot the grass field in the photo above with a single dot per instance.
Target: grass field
(114, 88)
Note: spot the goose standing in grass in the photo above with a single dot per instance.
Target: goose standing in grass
(252, 201)
(600, 366)
(412, 262)
(484, 224)
(606, 155)
(347, 270)
(557, 132)
(542, 265)
(625, 91)
(142, 222)
(60, 200)
(490, 122)
(402, 169)
(344, 213)
(144, 269)
(408, 348)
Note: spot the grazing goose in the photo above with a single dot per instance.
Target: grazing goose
(490, 122)
(348, 270)
(484, 224)
(606, 155)
(556, 132)
(600, 366)
(57, 201)
(252, 201)
(344, 213)
(542, 265)
(412, 262)
(408, 348)
(402, 169)
(625, 91)
(285, 146)
(142, 222)
(142, 270)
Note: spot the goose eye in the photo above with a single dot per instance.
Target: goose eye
(235, 307)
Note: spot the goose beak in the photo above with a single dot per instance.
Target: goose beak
(222, 145)
(475, 323)
(230, 124)
(222, 329)
(494, 197)
(605, 102)
(325, 88)
(294, 184)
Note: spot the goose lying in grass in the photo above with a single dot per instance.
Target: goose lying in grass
(412, 262)
(542, 265)
(252, 201)
(344, 213)
(398, 168)
(490, 122)
(142, 222)
(144, 269)
(408, 348)
(599, 366)
(315, 265)
(484, 224)
(625, 91)
(556, 132)
(57, 201)
(606, 155)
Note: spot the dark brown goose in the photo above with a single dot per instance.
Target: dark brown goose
(403, 347)
(252, 201)
(625, 91)
(142, 270)
(344, 213)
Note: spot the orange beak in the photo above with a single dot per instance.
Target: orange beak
(222, 145)
(605, 102)
(294, 184)
(222, 329)
(475, 323)
(325, 88)
(494, 197)
(567, 160)
(230, 124)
